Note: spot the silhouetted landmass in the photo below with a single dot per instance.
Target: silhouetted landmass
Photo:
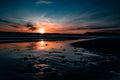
(103, 33)
(20, 36)
(23, 34)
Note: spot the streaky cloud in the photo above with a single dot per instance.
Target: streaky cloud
(18, 23)
(30, 26)
(5, 21)
(44, 2)
(15, 26)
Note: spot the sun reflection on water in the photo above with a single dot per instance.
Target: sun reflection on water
(42, 44)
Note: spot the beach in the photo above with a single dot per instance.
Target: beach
(59, 39)
(58, 59)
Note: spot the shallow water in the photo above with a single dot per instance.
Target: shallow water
(50, 60)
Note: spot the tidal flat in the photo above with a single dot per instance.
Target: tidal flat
(80, 59)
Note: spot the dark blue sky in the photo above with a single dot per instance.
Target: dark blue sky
(70, 14)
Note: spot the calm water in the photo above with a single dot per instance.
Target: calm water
(48, 60)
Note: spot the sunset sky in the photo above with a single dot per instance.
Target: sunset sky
(59, 16)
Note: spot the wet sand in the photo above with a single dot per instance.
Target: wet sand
(56, 60)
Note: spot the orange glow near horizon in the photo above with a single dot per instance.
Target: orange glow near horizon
(48, 29)
(42, 30)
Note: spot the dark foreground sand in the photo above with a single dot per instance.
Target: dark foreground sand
(105, 45)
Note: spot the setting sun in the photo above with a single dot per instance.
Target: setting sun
(42, 30)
